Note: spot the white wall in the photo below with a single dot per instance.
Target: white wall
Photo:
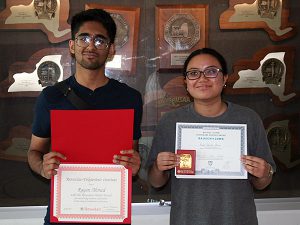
(270, 212)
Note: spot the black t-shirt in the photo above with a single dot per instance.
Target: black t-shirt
(114, 95)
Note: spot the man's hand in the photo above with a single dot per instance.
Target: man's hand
(130, 158)
(50, 163)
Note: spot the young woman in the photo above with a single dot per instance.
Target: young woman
(210, 201)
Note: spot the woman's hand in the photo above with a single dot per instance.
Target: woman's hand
(260, 169)
(256, 166)
(166, 161)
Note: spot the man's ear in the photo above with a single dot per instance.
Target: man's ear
(111, 51)
(72, 46)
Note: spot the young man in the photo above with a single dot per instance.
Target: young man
(93, 34)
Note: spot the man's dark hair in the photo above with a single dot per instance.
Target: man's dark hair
(208, 51)
(97, 15)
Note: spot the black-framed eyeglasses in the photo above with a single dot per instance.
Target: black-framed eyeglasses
(84, 40)
(210, 72)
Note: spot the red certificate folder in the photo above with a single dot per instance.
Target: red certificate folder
(91, 137)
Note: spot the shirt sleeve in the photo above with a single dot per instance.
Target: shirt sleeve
(41, 120)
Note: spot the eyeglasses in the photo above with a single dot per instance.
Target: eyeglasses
(84, 40)
(210, 72)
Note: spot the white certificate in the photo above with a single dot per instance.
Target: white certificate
(219, 148)
(94, 193)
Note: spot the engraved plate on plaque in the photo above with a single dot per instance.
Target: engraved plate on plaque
(45, 9)
(268, 9)
(272, 71)
(279, 138)
(122, 34)
(48, 73)
(182, 31)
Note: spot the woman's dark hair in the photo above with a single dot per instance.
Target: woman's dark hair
(208, 51)
(97, 15)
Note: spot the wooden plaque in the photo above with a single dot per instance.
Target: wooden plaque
(50, 16)
(44, 68)
(163, 98)
(180, 29)
(16, 145)
(271, 15)
(127, 20)
(283, 136)
(270, 71)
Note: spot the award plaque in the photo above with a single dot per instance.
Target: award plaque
(283, 135)
(16, 145)
(270, 71)
(180, 29)
(127, 20)
(162, 98)
(50, 16)
(44, 68)
(270, 15)
(187, 162)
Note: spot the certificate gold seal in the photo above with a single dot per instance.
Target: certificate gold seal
(185, 161)
(182, 31)
(122, 35)
(272, 71)
(268, 8)
(45, 9)
(48, 73)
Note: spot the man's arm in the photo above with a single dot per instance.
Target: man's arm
(38, 147)
(40, 160)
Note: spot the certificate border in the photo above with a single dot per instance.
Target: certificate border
(208, 173)
(91, 217)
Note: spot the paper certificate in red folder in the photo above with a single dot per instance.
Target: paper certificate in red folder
(91, 193)
(88, 188)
